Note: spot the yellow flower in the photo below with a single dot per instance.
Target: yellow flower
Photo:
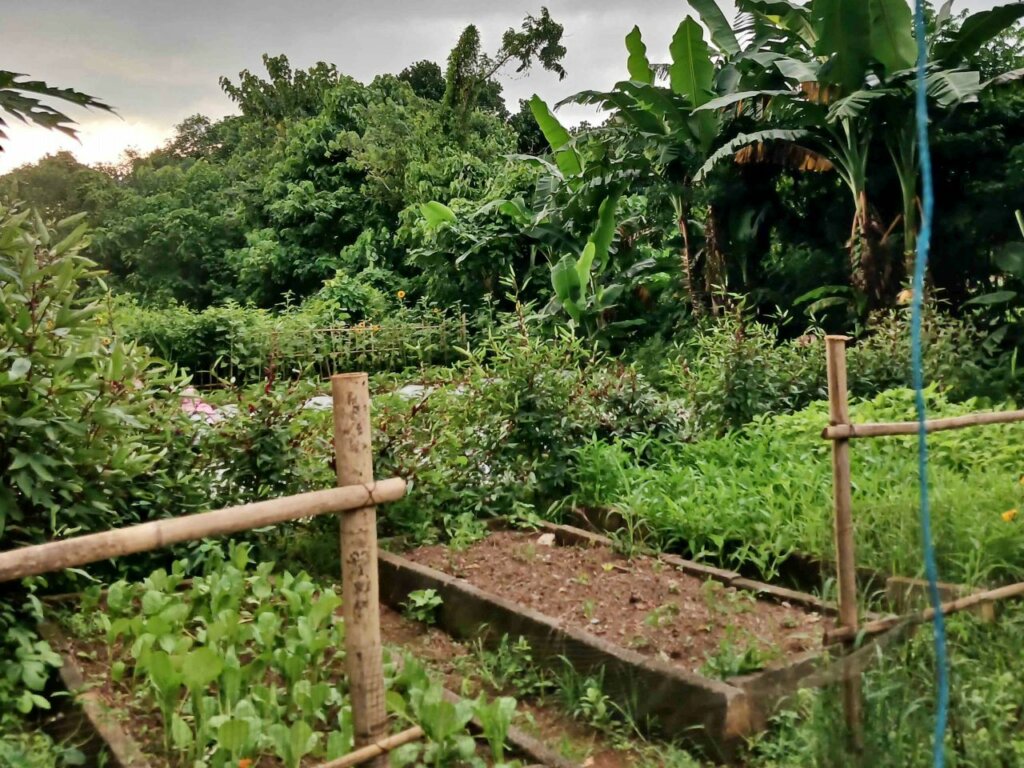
(106, 341)
(1022, 479)
(401, 294)
(1009, 515)
(905, 296)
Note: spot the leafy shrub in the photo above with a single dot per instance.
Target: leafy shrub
(496, 434)
(237, 345)
(984, 719)
(732, 369)
(87, 417)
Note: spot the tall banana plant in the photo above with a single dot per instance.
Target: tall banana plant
(845, 69)
(660, 129)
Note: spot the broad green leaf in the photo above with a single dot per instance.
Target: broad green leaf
(692, 72)
(437, 214)
(604, 232)
(951, 87)
(844, 36)
(585, 263)
(977, 29)
(181, 733)
(234, 735)
(718, 25)
(892, 42)
(995, 297)
(638, 66)
(733, 98)
(557, 136)
(855, 105)
(565, 280)
(201, 667)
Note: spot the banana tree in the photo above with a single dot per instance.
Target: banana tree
(846, 67)
(658, 131)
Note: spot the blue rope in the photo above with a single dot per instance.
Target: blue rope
(920, 267)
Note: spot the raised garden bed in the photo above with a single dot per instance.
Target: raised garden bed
(119, 707)
(665, 633)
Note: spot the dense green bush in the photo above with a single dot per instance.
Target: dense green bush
(235, 345)
(732, 369)
(496, 434)
(87, 417)
(984, 718)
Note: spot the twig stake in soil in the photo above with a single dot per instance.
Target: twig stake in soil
(353, 459)
(839, 413)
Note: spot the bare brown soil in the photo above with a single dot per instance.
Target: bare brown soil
(640, 603)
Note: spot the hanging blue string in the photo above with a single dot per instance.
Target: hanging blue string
(920, 268)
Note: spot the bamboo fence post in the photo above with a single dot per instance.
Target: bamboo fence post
(839, 413)
(353, 457)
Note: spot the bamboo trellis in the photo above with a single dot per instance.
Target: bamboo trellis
(355, 498)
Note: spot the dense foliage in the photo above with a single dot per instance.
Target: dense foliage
(624, 317)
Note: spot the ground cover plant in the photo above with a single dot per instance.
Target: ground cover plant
(242, 663)
(763, 492)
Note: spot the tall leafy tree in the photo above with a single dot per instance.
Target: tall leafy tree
(471, 72)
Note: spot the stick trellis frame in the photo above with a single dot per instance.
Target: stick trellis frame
(840, 431)
(355, 499)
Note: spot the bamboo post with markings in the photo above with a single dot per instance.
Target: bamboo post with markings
(353, 458)
(839, 414)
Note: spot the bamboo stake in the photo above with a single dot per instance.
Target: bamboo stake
(884, 429)
(842, 634)
(376, 749)
(82, 550)
(353, 458)
(839, 413)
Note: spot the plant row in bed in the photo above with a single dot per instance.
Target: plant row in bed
(245, 666)
(756, 496)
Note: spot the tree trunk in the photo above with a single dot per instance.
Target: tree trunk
(871, 270)
(690, 281)
(715, 276)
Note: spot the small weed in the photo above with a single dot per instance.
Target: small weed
(733, 658)
(589, 608)
(422, 605)
(661, 615)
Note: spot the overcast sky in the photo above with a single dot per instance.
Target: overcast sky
(157, 61)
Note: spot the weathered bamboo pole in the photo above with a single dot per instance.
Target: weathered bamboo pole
(353, 460)
(377, 749)
(845, 634)
(885, 429)
(82, 550)
(839, 413)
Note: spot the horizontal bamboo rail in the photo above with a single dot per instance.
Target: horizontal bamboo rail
(844, 634)
(885, 429)
(91, 548)
(377, 749)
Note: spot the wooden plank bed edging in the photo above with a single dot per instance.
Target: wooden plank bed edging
(714, 714)
(124, 750)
